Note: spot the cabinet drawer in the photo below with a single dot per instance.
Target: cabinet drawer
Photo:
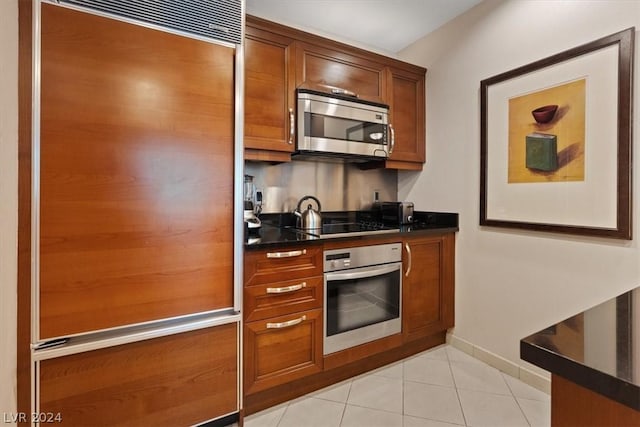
(282, 349)
(289, 263)
(278, 299)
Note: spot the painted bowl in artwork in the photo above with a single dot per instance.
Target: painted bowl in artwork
(544, 114)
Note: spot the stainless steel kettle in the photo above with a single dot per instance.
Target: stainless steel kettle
(309, 220)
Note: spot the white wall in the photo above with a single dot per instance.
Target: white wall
(511, 283)
(8, 201)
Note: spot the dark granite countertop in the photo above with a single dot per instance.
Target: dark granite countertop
(596, 349)
(278, 229)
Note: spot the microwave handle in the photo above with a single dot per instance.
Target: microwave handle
(363, 274)
(292, 125)
(393, 138)
(338, 91)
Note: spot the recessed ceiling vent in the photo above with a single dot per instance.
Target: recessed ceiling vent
(213, 19)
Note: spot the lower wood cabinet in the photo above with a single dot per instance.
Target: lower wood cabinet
(282, 349)
(283, 313)
(428, 285)
(574, 405)
(176, 380)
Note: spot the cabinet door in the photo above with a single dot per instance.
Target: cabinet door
(428, 285)
(136, 212)
(407, 116)
(326, 70)
(269, 108)
(282, 349)
(182, 379)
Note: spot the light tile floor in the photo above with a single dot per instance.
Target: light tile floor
(442, 387)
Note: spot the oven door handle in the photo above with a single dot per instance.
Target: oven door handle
(362, 274)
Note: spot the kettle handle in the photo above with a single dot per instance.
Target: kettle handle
(305, 198)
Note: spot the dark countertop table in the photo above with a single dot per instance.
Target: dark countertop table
(596, 349)
(278, 229)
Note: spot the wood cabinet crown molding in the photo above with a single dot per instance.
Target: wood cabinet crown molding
(273, 27)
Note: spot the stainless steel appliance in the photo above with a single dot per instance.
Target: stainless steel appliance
(342, 126)
(309, 219)
(397, 212)
(363, 294)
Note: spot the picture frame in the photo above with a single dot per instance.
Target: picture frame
(556, 142)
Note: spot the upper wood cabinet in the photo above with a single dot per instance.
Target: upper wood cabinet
(279, 59)
(406, 99)
(269, 108)
(333, 71)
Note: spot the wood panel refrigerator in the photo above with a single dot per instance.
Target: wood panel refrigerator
(135, 226)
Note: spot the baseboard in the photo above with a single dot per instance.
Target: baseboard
(525, 375)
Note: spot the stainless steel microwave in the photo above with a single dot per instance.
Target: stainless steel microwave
(342, 126)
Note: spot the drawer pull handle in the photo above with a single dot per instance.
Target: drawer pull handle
(286, 289)
(289, 254)
(281, 325)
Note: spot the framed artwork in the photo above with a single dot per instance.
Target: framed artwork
(556, 139)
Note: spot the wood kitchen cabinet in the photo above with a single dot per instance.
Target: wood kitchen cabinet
(576, 405)
(334, 71)
(181, 379)
(269, 109)
(282, 349)
(406, 99)
(279, 59)
(283, 327)
(428, 285)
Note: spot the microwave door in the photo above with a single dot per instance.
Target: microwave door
(370, 133)
(340, 135)
(338, 127)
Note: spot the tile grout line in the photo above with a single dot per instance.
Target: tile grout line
(344, 410)
(517, 401)
(455, 386)
(346, 402)
(282, 415)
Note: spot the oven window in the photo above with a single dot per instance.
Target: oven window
(355, 303)
(321, 126)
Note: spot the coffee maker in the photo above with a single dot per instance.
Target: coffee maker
(252, 206)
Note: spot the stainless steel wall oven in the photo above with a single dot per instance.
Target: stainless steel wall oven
(363, 294)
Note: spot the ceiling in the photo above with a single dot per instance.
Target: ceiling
(383, 25)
